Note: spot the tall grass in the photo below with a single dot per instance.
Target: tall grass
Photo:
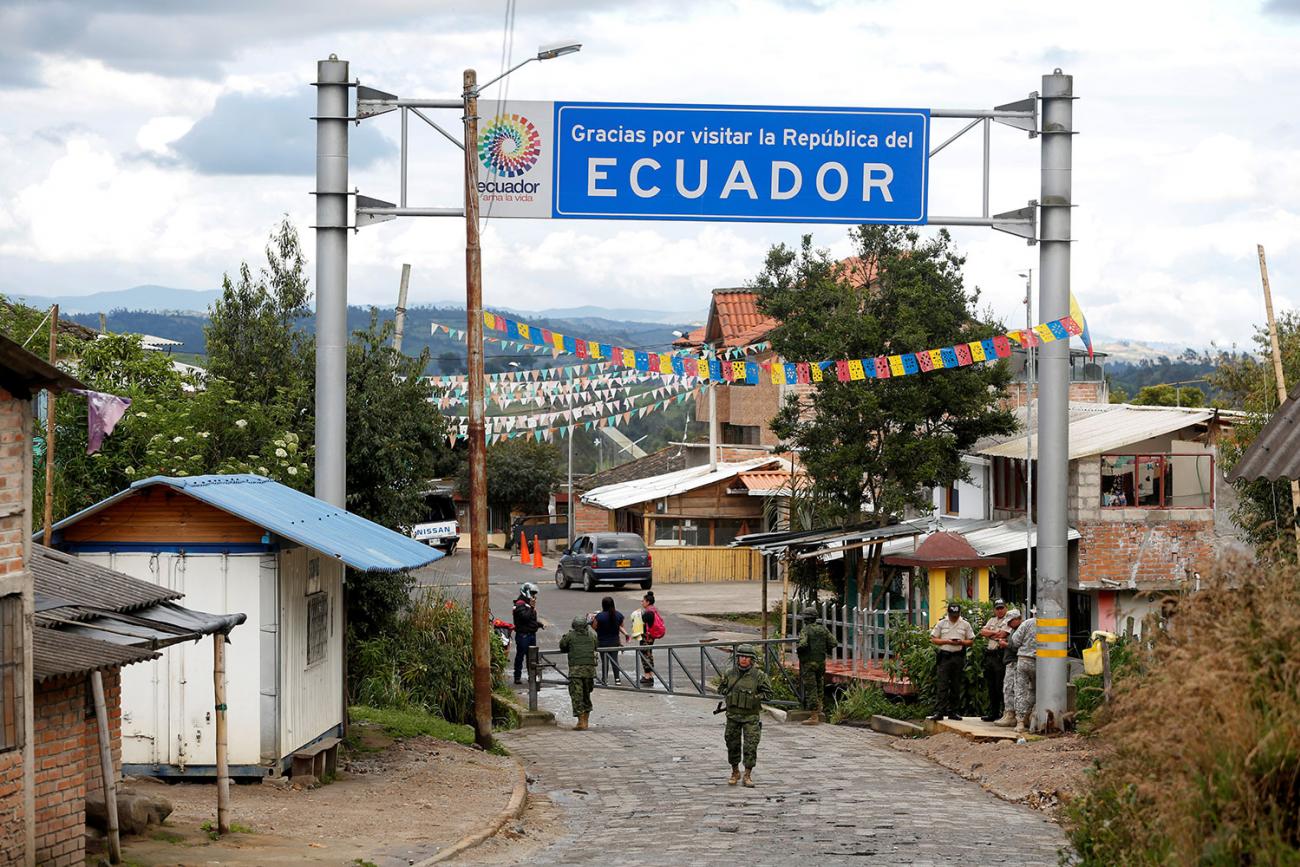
(1202, 742)
(425, 661)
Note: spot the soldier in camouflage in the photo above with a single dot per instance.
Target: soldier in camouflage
(815, 641)
(580, 644)
(743, 688)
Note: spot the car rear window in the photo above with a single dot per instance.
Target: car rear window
(620, 542)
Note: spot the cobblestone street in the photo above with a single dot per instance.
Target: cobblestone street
(648, 785)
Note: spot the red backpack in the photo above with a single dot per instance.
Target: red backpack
(655, 629)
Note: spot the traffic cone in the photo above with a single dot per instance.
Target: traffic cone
(524, 556)
(537, 555)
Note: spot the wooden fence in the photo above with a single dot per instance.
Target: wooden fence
(705, 564)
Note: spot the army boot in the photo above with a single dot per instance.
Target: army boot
(581, 724)
(1008, 720)
(735, 775)
(748, 781)
(1022, 724)
(814, 719)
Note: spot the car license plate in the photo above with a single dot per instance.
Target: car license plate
(622, 563)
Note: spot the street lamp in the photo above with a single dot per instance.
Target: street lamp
(477, 444)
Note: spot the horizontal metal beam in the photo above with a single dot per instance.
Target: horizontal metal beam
(977, 221)
(994, 113)
(412, 212)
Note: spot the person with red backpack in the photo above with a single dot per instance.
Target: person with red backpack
(653, 628)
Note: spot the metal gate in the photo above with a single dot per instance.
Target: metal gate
(678, 669)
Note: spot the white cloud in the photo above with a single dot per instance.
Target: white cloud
(1183, 162)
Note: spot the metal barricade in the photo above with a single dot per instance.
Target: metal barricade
(688, 670)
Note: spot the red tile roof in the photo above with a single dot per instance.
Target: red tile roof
(734, 318)
(944, 550)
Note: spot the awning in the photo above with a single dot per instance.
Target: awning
(766, 483)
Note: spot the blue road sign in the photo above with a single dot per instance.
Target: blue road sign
(743, 163)
(630, 161)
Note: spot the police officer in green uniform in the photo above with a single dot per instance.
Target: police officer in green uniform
(744, 687)
(580, 644)
(815, 641)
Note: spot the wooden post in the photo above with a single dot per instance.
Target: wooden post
(399, 324)
(49, 431)
(106, 769)
(223, 768)
(1105, 669)
(1281, 381)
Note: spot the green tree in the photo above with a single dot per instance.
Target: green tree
(1168, 395)
(253, 340)
(397, 439)
(877, 446)
(521, 474)
(1247, 382)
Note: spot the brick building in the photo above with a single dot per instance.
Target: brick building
(22, 376)
(736, 325)
(1148, 506)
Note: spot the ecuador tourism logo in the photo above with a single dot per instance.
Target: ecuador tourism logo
(510, 146)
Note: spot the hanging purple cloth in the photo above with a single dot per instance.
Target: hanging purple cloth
(103, 413)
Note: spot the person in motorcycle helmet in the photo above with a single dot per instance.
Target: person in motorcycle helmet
(526, 625)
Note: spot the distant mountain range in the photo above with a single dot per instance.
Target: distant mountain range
(156, 298)
(168, 299)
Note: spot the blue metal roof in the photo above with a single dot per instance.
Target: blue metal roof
(296, 516)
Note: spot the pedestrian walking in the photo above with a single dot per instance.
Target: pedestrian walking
(652, 628)
(815, 641)
(995, 630)
(743, 689)
(609, 633)
(1008, 653)
(1025, 640)
(580, 644)
(950, 636)
(526, 625)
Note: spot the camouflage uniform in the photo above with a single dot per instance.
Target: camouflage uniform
(580, 644)
(744, 691)
(1025, 640)
(814, 643)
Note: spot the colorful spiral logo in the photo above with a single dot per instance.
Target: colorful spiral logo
(509, 146)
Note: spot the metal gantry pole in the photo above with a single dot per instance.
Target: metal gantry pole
(1053, 401)
(478, 512)
(331, 279)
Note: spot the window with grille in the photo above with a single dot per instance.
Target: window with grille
(318, 627)
(11, 672)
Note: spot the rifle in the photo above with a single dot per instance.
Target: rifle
(721, 708)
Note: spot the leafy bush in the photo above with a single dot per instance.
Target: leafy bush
(424, 661)
(1201, 745)
(863, 701)
(915, 658)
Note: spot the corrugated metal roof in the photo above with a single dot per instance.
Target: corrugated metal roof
(58, 653)
(1275, 453)
(23, 373)
(155, 627)
(77, 582)
(298, 517)
(1097, 428)
(989, 538)
(831, 540)
(622, 494)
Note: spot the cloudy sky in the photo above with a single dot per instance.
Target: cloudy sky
(148, 145)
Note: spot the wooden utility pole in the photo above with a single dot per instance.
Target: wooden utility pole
(478, 515)
(219, 702)
(106, 769)
(399, 325)
(49, 430)
(1281, 379)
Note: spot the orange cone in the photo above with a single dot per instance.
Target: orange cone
(524, 557)
(537, 554)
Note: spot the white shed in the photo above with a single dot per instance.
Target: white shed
(237, 543)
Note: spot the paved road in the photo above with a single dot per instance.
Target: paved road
(558, 607)
(647, 786)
